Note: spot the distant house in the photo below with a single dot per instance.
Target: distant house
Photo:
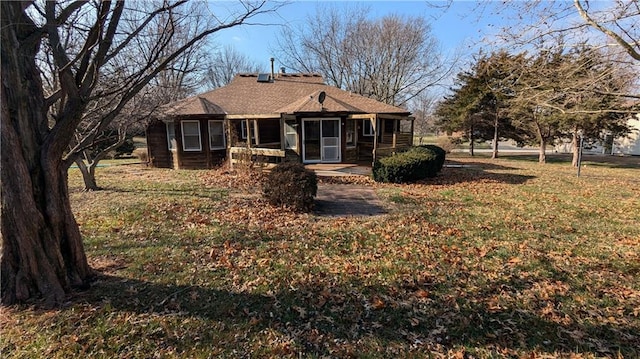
(623, 145)
(629, 144)
(276, 117)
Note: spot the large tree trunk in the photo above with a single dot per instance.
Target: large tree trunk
(42, 251)
(543, 138)
(494, 153)
(471, 142)
(542, 154)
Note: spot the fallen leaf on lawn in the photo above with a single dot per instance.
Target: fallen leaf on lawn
(421, 293)
(377, 303)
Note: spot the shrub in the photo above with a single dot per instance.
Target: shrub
(440, 152)
(125, 149)
(448, 144)
(291, 185)
(141, 153)
(415, 164)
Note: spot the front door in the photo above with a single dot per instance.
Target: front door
(321, 140)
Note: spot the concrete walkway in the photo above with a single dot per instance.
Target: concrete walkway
(339, 169)
(342, 200)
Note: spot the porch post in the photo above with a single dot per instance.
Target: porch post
(394, 134)
(227, 130)
(247, 124)
(412, 124)
(282, 136)
(375, 122)
(256, 132)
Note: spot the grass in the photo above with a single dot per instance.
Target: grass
(495, 259)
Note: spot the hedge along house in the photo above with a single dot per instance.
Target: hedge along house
(276, 117)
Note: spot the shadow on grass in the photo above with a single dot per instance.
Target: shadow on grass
(461, 172)
(188, 191)
(477, 165)
(325, 321)
(606, 161)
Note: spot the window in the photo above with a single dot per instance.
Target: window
(216, 135)
(367, 128)
(243, 130)
(391, 126)
(290, 136)
(350, 132)
(171, 136)
(191, 136)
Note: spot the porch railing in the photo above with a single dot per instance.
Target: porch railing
(255, 155)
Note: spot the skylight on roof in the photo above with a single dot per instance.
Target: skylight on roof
(264, 78)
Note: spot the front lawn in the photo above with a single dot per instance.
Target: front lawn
(490, 259)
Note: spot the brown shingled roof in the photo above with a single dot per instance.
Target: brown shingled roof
(288, 93)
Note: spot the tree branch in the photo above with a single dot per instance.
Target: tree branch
(625, 45)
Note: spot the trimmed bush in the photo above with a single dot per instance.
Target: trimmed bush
(440, 156)
(291, 185)
(415, 164)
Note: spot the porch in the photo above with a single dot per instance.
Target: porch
(320, 139)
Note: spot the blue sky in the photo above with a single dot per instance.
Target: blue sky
(458, 28)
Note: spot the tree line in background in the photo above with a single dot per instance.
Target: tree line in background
(570, 72)
(539, 97)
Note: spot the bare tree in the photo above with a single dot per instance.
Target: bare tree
(619, 22)
(42, 250)
(422, 107)
(391, 59)
(600, 24)
(225, 64)
(94, 137)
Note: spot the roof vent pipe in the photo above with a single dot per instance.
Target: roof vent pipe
(273, 75)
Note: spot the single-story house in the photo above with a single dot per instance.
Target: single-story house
(276, 117)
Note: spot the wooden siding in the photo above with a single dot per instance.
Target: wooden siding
(350, 155)
(157, 147)
(202, 159)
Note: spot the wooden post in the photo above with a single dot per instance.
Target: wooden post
(374, 122)
(282, 133)
(227, 128)
(283, 136)
(412, 124)
(206, 142)
(247, 126)
(256, 132)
